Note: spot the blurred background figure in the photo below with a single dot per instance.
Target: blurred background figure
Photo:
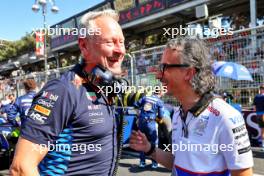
(259, 108)
(151, 110)
(6, 104)
(228, 97)
(22, 103)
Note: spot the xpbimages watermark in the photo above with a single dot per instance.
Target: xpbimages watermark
(117, 89)
(190, 31)
(82, 148)
(57, 31)
(213, 148)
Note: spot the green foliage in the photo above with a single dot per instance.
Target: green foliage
(16, 48)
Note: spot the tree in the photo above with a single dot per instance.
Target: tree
(13, 49)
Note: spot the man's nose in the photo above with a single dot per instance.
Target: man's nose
(119, 48)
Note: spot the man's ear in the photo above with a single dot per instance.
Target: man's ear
(190, 73)
(83, 45)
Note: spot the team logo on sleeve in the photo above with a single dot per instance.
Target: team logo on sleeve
(37, 117)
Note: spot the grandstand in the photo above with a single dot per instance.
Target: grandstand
(143, 23)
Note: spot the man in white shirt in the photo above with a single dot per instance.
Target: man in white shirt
(209, 136)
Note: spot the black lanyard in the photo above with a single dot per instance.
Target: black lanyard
(185, 132)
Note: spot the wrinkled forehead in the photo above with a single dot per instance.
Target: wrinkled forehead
(108, 27)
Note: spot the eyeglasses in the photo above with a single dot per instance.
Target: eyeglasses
(163, 67)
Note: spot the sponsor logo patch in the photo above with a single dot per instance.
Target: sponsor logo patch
(94, 107)
(95, 113)
(239, 129)
(46, 103)
(37, 117)
(50, 96)
(213, 110)
(93, 121)
(42, 110)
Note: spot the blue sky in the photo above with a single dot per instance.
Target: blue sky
(17, 18)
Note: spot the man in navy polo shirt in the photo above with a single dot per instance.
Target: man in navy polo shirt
(71, 128)
(22, 103)
(259, 108)
(151, 107)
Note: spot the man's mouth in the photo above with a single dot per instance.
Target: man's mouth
(113, 59)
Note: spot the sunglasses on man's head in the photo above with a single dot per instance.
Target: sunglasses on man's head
(163, 67)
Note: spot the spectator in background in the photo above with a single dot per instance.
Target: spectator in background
(228, 97)
(22, 103)
(7, 103)
(4, 105)
(260, 52)
(141, 64)
(150, 107)
(12, 98)
(259, 108)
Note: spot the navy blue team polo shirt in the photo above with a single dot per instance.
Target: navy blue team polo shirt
(259, 103)
(77, 125)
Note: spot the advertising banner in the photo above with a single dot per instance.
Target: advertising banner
(254, 131)
(142, 10)
(123, 4)
(40, 44)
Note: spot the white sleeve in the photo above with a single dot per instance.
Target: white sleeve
(235, 143)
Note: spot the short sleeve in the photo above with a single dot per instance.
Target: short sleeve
(49, 114)
(234, 142)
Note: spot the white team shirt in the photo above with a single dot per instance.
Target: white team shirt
(217, 142)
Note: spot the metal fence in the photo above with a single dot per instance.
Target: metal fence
(15, 84)
(245, 47)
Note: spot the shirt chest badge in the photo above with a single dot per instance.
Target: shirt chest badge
(91, 96)
(147, 107)
(201, 124)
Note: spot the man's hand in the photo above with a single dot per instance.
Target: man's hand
(138, 141)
